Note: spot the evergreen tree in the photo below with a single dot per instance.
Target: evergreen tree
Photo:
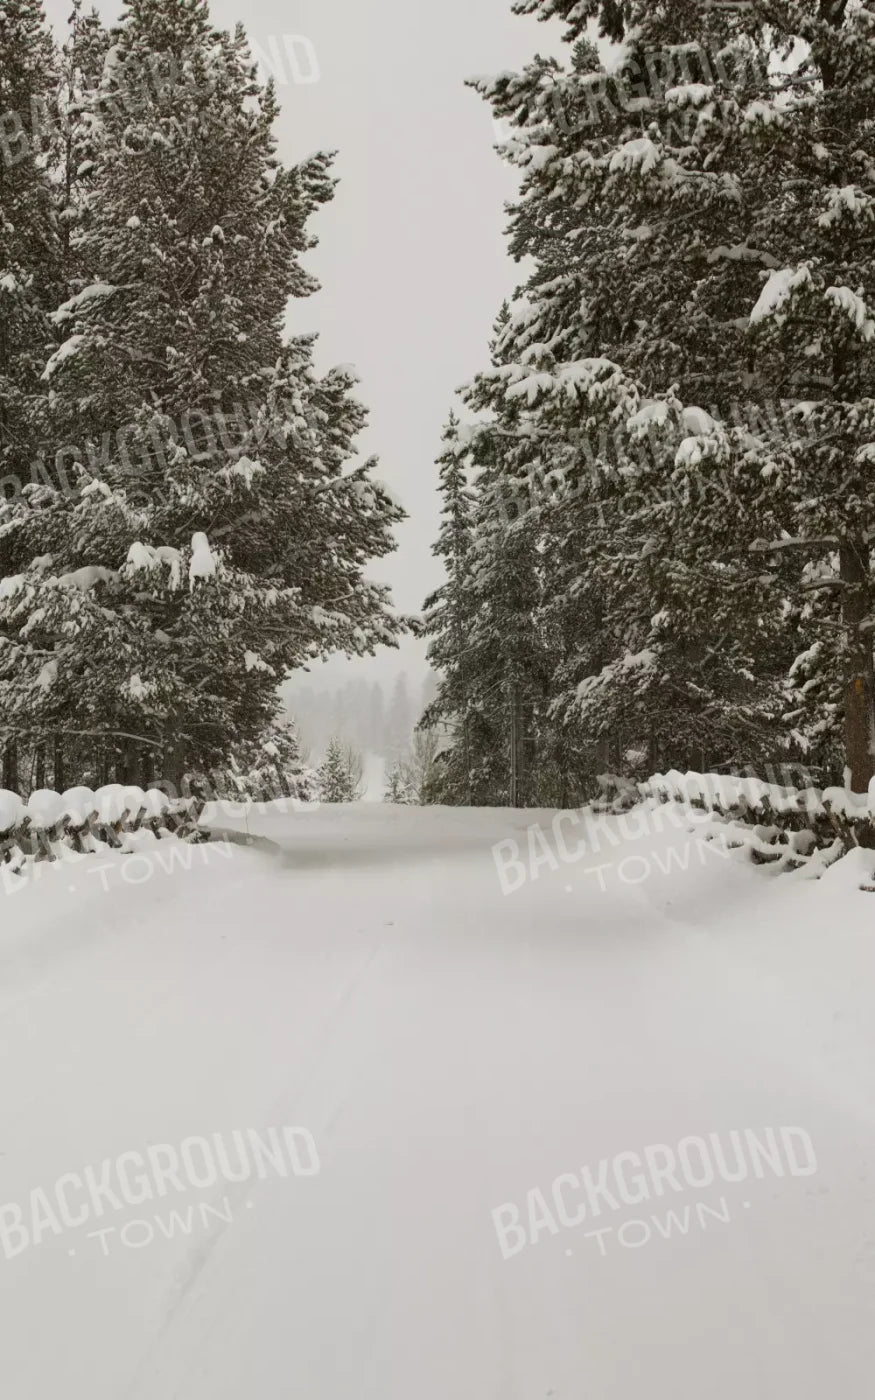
(266, 769)
(737, 176)
(812, 328)
(206, 553)
(505, 639)
(666, 643)
(449, 617)
(75, 133)
(340, 774)
(397, 785)
(29, 284)
(29, 249)
(487, 644)
(413, 779)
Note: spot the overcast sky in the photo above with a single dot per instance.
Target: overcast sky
(412, 257)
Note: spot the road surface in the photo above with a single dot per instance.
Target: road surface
(454, 1057)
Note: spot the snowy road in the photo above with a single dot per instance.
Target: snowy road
(450, 1049)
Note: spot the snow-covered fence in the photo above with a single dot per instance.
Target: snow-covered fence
(88, 822)
(789, 826)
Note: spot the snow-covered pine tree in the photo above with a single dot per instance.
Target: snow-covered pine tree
(61, 135)
(29, 279)
(398, 788)
(75, 129)
(505, 640)
(448, 616)
(477, 709)
(667, 641)
(266, 769)
(487, 644)
(216, 541)
(811, 144)
(414, 778)
(339, 775)
(29, 250)
(624, 202)
(770, 183)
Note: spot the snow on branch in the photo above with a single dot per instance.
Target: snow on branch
(203, 561)
(70, 347)
(778, 291)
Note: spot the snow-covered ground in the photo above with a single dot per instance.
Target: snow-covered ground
(374, 777)
(458, 1055)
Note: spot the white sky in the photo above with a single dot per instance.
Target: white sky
(412, 257)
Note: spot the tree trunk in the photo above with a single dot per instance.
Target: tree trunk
(148, 764)
(173, 761)
(58, 775)
(603, 753)
(466, 737)
(10, 766)
(514, 745)
(653, 765)
(860, 680)
(466, 748)
(127, 769)
(40, 779)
